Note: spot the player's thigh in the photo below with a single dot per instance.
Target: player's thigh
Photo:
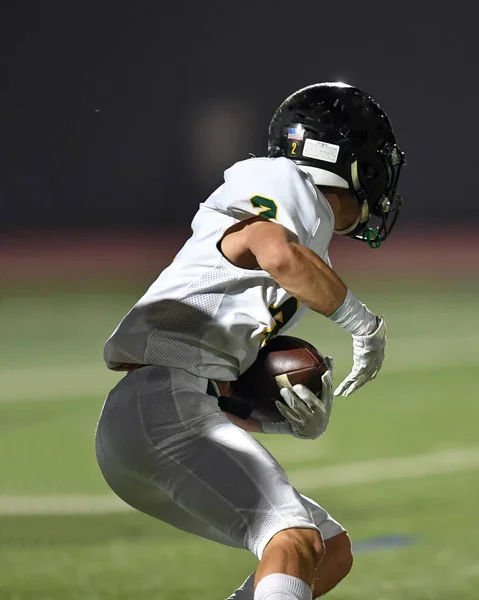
(151, 500)
(163, 430)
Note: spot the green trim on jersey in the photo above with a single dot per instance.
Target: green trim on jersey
(281, 314)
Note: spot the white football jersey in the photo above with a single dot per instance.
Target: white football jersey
(207, 316)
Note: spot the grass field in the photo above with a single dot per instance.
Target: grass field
(401, 457)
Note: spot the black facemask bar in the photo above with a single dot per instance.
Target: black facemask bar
(388, 205)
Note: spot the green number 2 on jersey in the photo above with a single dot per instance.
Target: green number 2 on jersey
(281, 314)
(268, 209)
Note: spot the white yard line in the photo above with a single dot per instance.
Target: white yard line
(306, 479)
(387, 469)
(61, 505)
(63, 382)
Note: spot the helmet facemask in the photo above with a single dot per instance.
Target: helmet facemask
(374, 184)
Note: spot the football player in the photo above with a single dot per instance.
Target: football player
(256, 261)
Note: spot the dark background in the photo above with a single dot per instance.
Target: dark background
(127, 112)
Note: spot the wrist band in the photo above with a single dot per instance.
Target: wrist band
(354, 316)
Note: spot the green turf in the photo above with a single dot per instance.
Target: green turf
(424, 401)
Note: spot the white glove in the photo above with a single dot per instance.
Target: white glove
(368, 356)
(306, 414)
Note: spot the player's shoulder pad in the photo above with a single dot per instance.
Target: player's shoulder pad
(276, 189)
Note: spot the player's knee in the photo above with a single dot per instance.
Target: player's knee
(336, 566)
(306, 544)
(339, 546)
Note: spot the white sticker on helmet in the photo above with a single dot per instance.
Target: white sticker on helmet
(320, 150)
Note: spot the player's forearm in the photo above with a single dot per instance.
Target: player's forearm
(303, 274)
(250, 424)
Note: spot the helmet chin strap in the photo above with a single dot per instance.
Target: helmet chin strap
(363, 217)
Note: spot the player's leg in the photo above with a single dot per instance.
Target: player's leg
(159, 428)
(322, 566)
(338, 557)
(288, 565)
(153, 501)
(127, 459)
(335, 565)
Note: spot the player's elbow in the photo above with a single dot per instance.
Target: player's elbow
(277, 259)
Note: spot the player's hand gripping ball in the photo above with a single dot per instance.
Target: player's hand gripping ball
(307, 414)
(282, 364)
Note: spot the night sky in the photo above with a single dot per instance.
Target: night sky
(128, 112)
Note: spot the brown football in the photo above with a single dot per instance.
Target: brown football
(284, 361)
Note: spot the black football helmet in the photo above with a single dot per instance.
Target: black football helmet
(343, 138)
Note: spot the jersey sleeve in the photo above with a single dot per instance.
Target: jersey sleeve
(274, 189)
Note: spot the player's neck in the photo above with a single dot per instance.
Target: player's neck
(345, 210)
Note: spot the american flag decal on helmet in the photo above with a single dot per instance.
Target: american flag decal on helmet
(295, 133)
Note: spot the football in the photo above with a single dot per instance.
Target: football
(283, 362)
